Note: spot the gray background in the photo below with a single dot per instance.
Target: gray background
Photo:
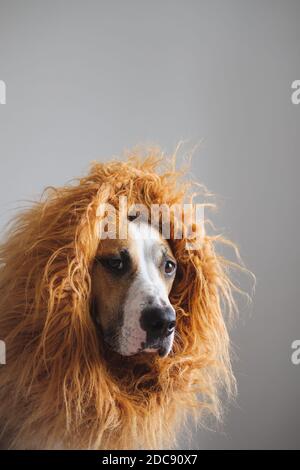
(86, 79)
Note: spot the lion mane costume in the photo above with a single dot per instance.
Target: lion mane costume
(59, 387)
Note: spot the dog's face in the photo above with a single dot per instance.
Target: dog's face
(131, 282)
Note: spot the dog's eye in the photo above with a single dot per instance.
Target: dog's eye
(116, 264)
(170, 267)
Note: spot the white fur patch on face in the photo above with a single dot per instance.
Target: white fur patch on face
(147, 286)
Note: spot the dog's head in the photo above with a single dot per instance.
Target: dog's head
(131, 281)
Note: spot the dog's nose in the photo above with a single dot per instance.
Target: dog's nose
(158, 322)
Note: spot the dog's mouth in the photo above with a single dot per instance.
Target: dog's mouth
(160, 348)
(110, 341)
(161, 351)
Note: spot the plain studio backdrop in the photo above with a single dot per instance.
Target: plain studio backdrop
(86, 79)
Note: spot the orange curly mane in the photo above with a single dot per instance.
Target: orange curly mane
(59, 388)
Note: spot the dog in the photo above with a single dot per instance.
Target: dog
(111, 342)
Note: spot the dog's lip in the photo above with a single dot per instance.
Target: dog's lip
(161, 350)
(150, 349)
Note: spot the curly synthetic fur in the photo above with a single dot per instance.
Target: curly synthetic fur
(59, 387)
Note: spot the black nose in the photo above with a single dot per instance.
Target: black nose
(158, 322)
